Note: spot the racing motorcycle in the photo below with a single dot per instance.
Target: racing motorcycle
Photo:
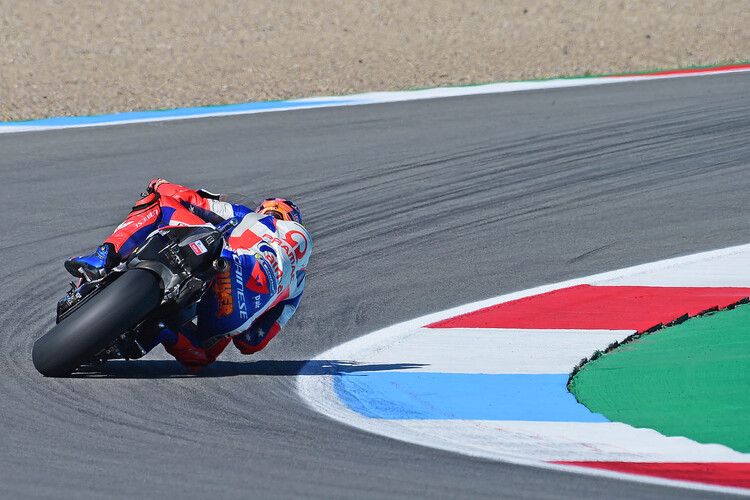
(120, 315)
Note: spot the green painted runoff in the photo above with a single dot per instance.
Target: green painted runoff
(689, 380)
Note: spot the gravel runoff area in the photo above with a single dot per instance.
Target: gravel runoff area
(90, 57)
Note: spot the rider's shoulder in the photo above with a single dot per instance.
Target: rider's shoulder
(268, 223)
(253, 222)
(250, 219)
(288, 225)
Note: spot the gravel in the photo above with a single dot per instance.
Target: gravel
(87, 57)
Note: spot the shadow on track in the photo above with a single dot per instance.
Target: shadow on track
(150, 369)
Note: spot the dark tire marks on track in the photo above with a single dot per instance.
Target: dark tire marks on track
(414, 207)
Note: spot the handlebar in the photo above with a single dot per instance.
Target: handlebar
(227, 225)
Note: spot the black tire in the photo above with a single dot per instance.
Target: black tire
(97, 323)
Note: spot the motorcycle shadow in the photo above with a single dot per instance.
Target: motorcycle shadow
(154, 369)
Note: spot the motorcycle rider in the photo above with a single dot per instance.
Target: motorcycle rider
(251, 302)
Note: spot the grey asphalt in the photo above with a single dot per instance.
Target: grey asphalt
(414, 207)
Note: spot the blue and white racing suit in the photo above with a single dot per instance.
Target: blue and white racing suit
(250, 302)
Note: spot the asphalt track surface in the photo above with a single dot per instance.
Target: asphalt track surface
(414, 208)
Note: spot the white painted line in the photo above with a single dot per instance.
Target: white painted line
(529, 351)
(350, 100)
(492, 350)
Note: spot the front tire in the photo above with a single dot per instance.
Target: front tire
(97, 323)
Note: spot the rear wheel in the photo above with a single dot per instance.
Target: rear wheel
(97, 323)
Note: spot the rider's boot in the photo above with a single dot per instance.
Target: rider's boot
(96, 265)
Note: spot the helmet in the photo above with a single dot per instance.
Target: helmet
(280, 209)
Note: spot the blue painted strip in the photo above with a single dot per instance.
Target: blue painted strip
(172, 113)
(461, 396)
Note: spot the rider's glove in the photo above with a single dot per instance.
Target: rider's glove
(154, 185)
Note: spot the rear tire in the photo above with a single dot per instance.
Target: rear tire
(97, 323)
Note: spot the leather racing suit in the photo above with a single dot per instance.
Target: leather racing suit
(251, 301)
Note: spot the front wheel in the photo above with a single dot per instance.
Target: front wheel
(88, 330)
